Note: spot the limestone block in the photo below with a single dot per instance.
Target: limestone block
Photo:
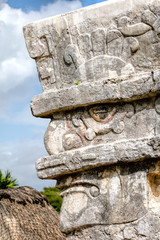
(82, 48)
(101, 123)
(99, 68)
(144, 229)
(123, 89)
(112, 195)
(119, 151)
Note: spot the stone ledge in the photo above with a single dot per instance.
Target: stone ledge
(91, 157)
(137, 87)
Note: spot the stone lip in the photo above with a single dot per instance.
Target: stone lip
(138, 86)
(147, 227)
(91, 157)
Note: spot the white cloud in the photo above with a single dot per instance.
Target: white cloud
(2, 3)
(15, 65)
(60, 7)
(24, 117)
(20, 159)
(18, 83)
(18, 78)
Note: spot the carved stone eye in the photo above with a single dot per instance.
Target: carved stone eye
(94, 191)
(102, 113)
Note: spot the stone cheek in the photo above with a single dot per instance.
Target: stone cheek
(73, 204)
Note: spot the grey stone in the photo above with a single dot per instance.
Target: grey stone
(100, 123)
(99, 68)
(135, 30)
(98, 42)
(117, 199)
(85, 46)
(114, 38)
(119, 231)
(113, 90)
(149, 17)
(91, 38)
(123, 151)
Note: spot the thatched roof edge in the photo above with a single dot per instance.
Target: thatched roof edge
(23, 195)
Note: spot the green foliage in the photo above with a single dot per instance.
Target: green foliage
(7, 181)
(53, 196)
(76, 83)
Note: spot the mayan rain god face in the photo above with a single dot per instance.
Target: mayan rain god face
(99, 68)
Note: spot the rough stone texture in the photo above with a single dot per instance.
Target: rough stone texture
(146, 228)
(120, 193)
(99, 68)
(104, 55)
(124, 151)
(135, 87)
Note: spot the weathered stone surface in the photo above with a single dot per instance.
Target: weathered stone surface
(123, 195)
(102, 123)
(144, 229)
(99, 68)
(119, 151)
(96, 53)
(123, 89)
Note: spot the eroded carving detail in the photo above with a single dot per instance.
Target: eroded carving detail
(107, 194)
(100, 73)
(100, 123)
(96, 50)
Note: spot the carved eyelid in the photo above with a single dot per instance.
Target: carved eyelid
(74, 187)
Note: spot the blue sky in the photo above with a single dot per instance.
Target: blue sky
(28, 5)
(21, 135)
(90, 2)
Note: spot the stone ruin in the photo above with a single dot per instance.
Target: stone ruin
(99, 68)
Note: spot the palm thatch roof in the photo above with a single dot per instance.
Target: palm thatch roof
(25, 214)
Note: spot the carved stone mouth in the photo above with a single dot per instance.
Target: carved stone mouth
(73, 190)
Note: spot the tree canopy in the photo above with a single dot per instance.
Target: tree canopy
(6, 181)
(53, 196)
